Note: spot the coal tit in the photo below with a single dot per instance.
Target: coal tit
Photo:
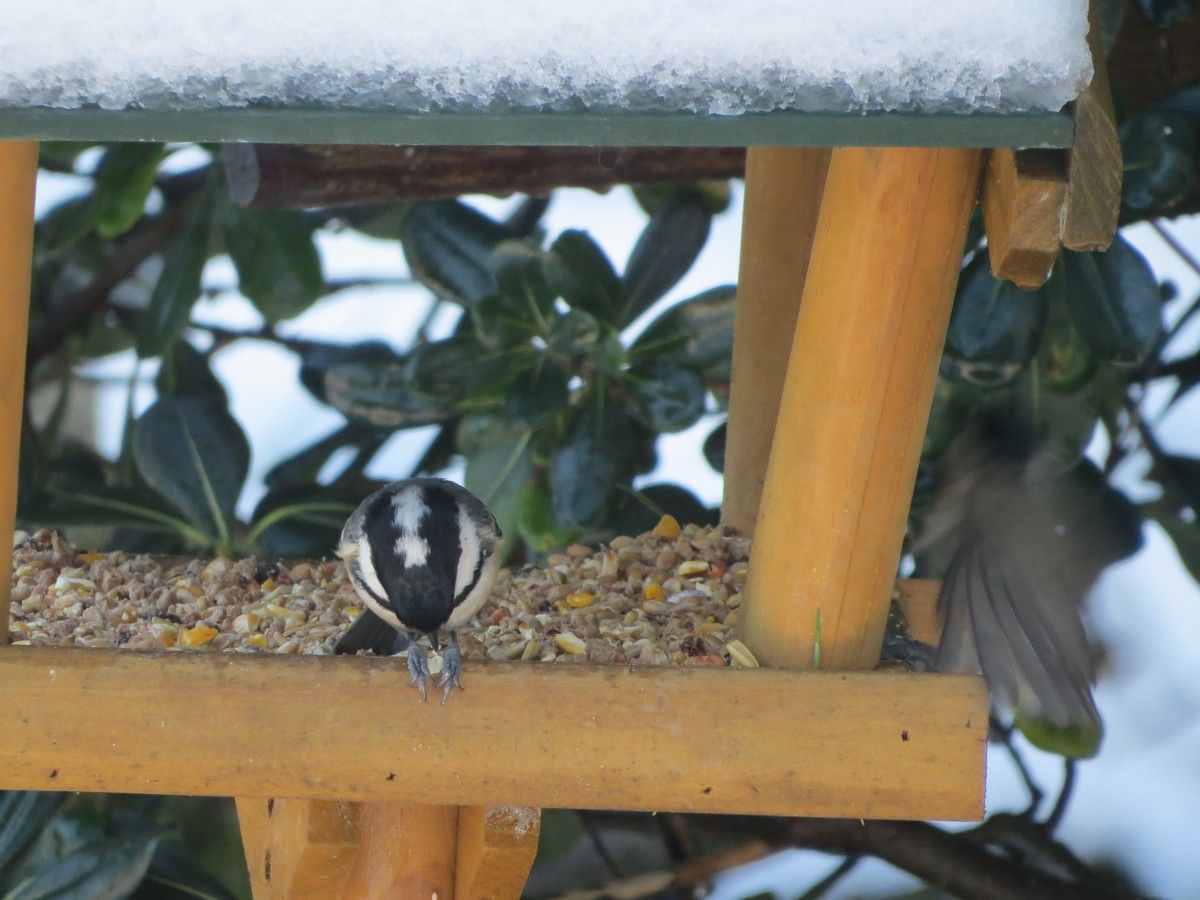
(423, 555)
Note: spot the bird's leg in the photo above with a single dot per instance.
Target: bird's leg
(451, 667)
(418, 664)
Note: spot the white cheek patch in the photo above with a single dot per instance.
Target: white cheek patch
(410, 510)
(366, 569)
(469, 550)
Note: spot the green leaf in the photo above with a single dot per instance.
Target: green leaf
(664, 252)
(995, 328)
(518, 270)
(447, 245)
(714, 193)
(22, 815)
(104, 870)
(1185, 535)
(380, 392)
(185, 371)
(575, 333)
(666, 397)
(277, 264)
(560, 832)
(579, 272)
(302, 521)
(1115, 304)
(588, 463)
(714, 447)
(317, 360)
(1159, 149)
(499, 464)
(637, 511)
(302, 468)
(192, 451)
(71, 501)
(63, 227)
(451, 370)
(535, 521)
(696, 333)
(124, 179)
(178, 285)
(174, 869)
(538, 395)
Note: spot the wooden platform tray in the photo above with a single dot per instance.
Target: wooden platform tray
(876, 745)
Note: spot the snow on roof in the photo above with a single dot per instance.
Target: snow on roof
(713, 56)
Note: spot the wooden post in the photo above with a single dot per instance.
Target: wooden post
(18, 175)
(783, 195)
(496, 848)
(855, 403)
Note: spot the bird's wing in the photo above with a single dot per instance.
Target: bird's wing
(1026, 639)
(369, 632)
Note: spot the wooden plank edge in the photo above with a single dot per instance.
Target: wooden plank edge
(1024, 202)
(870, 745)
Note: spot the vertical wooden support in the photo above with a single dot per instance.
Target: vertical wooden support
(855, 403)
(18, 175)
(496, 847)
(326, 849)
(783, 195)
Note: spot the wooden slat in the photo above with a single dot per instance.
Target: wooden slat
(1094, 167)
(299, 849)
(339, 126)
(783, 194)
(875, 745)
(18, 174)
(405, 850)
(1024, 196)
(918, 601)
(496, 848)
(856, 402)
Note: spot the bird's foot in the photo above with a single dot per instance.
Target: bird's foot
(451, 670)
(418, 668)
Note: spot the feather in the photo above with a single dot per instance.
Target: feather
(369, 632)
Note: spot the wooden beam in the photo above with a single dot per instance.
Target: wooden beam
(1094, 168)
(1024, 195)
(405, 850)
(303, 176)
(871, 745)
(855, 404)
(496, 849)
(18, 175)
(783, 194)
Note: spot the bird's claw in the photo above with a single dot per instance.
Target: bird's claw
(418, 668)
(451, 671)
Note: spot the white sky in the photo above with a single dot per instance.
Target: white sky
(1136, 802)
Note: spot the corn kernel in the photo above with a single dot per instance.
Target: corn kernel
(740, 654)
(710, 628)
(569, 643)
(257, 640)
(653, 591)
(692, 567)
(91, 557)
(580, 599)
(268, 585)
(532, 648)
(196, 637)
(246, 622)
(667, 527)
(353, 612)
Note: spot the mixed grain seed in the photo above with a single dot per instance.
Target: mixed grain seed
(667, 597)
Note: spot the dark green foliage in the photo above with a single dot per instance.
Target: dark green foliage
(1165, 13)
(277, 264)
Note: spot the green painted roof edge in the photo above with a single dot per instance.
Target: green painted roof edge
(340, 126)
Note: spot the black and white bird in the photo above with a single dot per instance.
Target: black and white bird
(423, 555)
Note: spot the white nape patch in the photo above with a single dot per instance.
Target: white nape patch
(410, 509)
(468, 550)
(366, 571)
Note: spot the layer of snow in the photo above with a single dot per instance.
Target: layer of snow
(716, 56)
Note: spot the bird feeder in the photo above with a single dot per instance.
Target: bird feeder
(859, 187)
